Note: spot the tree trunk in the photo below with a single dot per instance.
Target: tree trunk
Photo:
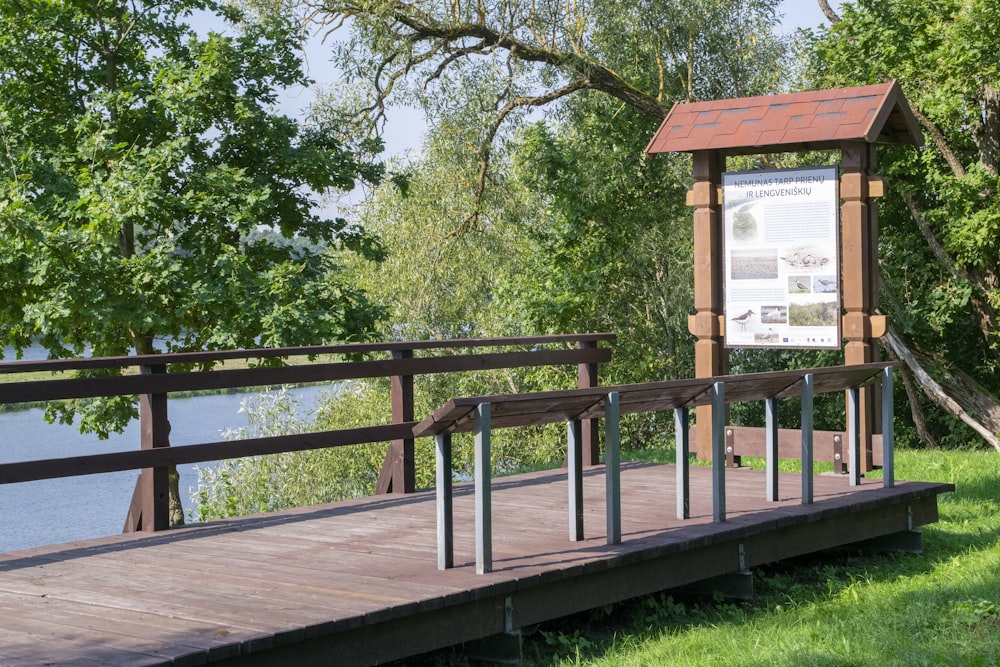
(966, 400)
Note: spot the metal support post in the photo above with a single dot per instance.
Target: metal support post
(807, 439)
(445, 524)
(719, 452)
(854, 436)
(484, 518)
(681, 418)
(574, 470)
(888, 446)
(612, 467)
(771, 436)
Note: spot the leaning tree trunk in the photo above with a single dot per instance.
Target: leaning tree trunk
(962, 398)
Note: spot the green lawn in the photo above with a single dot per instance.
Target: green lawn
(938, 608)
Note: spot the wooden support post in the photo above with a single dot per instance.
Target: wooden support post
(587, 377)
(444, 499)
(807, 439)
(710, 357)
(719, 453)
(574, 468)
(154, 483)
(888, 434)
(482, 474)
(399, 470)
(859, 249)
(612, 467)
(771, 445)
(681, 433)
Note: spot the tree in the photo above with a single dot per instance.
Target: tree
(643, 54)
(602, 236)
(140, 164)
(940, 224)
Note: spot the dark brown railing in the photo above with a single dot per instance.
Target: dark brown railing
(154, 382)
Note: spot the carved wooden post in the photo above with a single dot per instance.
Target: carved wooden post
(710, 357)
(154, 483)
(859, 247)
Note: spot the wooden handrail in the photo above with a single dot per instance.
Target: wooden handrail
(124, 385)
(154, 383)
(132, 361)
(92, 464)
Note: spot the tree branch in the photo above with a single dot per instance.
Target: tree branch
(486, 152)
(454, 36)
(942, 144)
(828, 12)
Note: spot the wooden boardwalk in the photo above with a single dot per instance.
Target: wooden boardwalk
(357, 582)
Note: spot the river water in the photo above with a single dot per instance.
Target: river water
(75, 508)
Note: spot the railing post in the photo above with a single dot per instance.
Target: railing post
(719, 452)
(445, 524)
(683, 445)
(399, 473)
(771, 445)
(574, 471)
(612, 467)
(854, 435)
(807, 439)
(587, 377)
(888, 446)
(154, 483)
(482, 475)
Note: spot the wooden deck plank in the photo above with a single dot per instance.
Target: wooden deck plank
(338, 577)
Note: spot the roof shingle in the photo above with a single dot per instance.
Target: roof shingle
(796, 121)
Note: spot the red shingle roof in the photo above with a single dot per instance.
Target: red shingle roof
(796, 121)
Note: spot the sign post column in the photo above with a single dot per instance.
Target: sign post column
(710, 357)
(859, 229)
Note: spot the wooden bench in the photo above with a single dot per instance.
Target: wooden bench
(480, 414)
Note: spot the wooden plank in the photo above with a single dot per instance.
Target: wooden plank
(752, 441)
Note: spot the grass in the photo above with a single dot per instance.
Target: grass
(941, 607)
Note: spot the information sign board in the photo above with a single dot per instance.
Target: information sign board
(782, 266)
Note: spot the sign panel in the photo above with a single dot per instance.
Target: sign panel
(782, 267)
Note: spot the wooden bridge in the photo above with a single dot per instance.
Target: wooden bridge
(373, 579)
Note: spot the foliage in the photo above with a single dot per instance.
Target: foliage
(939, 221)
(262, 484)
(238, 487)
(140, 162)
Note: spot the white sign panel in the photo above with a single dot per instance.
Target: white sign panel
(782, 286)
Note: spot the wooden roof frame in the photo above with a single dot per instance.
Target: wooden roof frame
(810, 120)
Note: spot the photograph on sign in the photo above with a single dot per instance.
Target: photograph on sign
(782, 286)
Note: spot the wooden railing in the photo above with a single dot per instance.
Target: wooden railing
(480, 414)
(153, 383)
